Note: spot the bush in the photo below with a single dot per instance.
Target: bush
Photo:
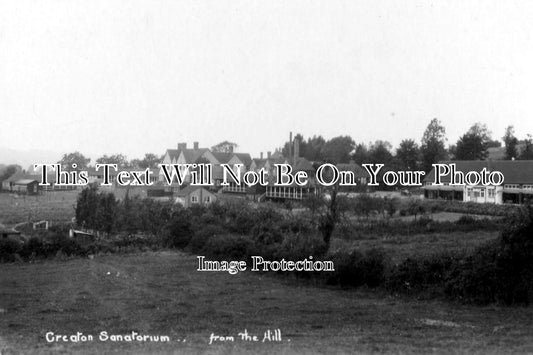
(296, 246)
(229, 246)
(178, 231)
(8, 249)
(498, 272)
(421, 274)
(357, 269)
(200, 238)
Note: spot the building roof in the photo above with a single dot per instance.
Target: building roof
(302, 164)
(259, 163)
(192, 155)
(223, 158)
(16, 176)
(186, 191)
(514, 171)
(173, 153)
(245, 158)
(356, 168)
(25, 181)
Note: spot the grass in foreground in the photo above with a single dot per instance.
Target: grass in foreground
(161, 293)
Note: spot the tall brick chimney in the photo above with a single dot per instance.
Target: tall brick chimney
(296, 148)
(290, 146)
(268, 154)
(195, 145)
(261, 155)
(182, 145)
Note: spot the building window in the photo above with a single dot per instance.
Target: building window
(491, 193)
(194, 199)
(512, 186)
(482, 193)
(207, 199)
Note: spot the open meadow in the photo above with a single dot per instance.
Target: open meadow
(162, 293)
(55, 206)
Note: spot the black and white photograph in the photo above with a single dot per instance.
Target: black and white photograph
(266, 177)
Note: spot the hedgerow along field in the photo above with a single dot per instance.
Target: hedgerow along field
(161, 293)
(241, 220)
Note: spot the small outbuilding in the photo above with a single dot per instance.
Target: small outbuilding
(195, 195)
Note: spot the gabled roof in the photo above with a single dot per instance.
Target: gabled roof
(514, 171)
(259, 163)
(192, 155)
(245, 158)
(173, 153)
(302, 164)
(223, 158)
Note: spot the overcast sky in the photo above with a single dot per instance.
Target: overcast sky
(140, 76)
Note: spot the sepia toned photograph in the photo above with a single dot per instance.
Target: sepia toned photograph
(276, 177)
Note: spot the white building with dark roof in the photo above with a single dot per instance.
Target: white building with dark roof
(516, 188)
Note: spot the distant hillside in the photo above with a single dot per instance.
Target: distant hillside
(27, 158)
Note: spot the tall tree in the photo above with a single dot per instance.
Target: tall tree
(361, 154)
(511, 143)
(150, 160)
(74, 158)
(474, 143)
(380, 152)
(338, 149)
(286, 150)
(120, 159)
(407, 155)
(432, 148)
(527, 153)
(314, 148)
(9, 170)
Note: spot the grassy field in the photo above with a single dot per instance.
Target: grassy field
(400, 247)
(161, 293)
(57, 206)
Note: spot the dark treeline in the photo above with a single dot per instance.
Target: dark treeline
(413, 155)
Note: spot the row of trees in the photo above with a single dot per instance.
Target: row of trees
(473, 145)
(409, 155)
(149, 160)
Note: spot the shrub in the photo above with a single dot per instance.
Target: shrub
(200, 238)
(296, 246)
(8, 249)
(420, 274)
(501, 271)
(34, 247)
(178, 231)
(229, 246)
(357, 269)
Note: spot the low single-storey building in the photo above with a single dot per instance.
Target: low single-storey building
(517, 186)
(195, 195)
